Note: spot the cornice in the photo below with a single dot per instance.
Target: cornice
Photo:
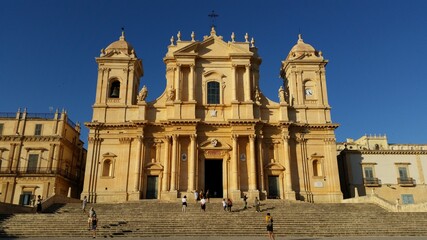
(12, 138)
(181, 122)
(243, 121)
(388, 152)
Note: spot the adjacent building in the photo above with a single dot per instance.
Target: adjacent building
(212, 128)
(40, 154)
(391, 171)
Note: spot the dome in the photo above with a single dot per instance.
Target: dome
(302, 50)
(121, 45)
(301, 46)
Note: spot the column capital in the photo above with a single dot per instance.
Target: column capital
(252, 137)
(193, 137)
(329, 140)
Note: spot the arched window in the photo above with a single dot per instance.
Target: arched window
(213, 92)
(317, 168)
(107, 168)
(115, 89)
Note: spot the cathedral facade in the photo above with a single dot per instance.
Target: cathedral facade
(212, 128)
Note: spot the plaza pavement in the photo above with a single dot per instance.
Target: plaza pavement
(239, 238)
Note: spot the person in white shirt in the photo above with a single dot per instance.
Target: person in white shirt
(203, 204)
(184, 203)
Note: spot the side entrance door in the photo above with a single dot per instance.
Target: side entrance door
(273, 187)
(152, 190)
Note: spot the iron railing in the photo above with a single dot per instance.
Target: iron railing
(372, 181)
(76, 175)
(406, 181)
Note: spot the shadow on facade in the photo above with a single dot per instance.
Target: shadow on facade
(3, 233)
(351, 173)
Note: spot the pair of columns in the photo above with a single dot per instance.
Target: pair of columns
(246, 83)
(178, 77)
(234, 183)
(170, 171)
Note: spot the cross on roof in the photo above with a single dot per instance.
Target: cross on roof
(213, 15)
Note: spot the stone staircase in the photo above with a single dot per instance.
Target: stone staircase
(152, 218)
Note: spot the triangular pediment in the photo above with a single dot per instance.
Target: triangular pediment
(213, 46)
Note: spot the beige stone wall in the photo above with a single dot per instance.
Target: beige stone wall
(57, 152)
(171, 137)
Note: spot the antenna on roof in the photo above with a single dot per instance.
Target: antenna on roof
(213, 15)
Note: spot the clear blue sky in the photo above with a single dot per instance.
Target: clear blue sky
(377, 52)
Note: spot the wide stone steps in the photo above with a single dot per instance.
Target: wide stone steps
(154, 218)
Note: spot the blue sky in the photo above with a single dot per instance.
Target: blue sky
(376, 75)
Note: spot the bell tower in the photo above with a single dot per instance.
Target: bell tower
(303, 73)
(119, 73)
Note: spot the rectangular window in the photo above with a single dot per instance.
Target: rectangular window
(38, 130)
(1, 129)
(369, 172)
(407, 199)
(33, 160)
(25, 198)
(213, 93)
(403, 173)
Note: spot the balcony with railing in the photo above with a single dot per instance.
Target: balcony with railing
(28, 171)
(406, 182)
(372, 182)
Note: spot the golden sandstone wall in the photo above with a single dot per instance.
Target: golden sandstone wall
(212, 128)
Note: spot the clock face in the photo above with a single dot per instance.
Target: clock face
(308, 92)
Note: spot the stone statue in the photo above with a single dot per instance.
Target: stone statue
(171, 94)
(143, 94)
(282, 94)
(257, 94)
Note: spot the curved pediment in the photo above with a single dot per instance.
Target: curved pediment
(213, 143)
(154, 166)
(274, 166)
(109, 155)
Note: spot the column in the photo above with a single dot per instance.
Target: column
(252, 169)
(288, 177)
(261, 163)
(10, 158)
(233, 83)
(247, 83)
(166, 165)
(50, 158)
(191, 162)
(234, 164)
(138, 163)
(174, 159)
(17, 156)
(191, 83)
(177, 83)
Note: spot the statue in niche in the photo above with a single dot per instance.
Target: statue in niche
(257, 94)
(171, 94)
(282, 94)
(142, 94)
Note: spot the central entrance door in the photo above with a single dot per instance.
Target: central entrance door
(213, 178)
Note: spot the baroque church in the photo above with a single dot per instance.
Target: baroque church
(212, 128)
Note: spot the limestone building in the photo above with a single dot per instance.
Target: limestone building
(392, 171)
(212, 128)
(40, 154)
